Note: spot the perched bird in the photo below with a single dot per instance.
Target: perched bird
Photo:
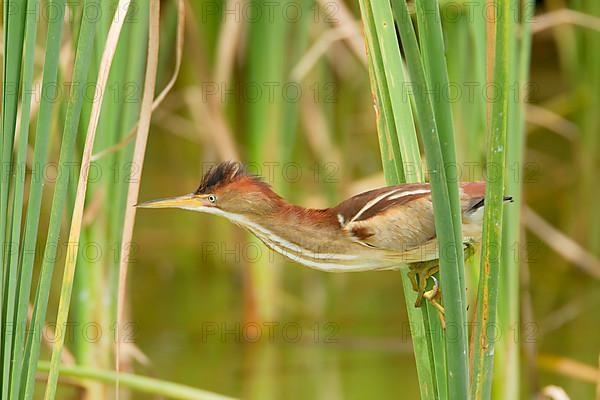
(375, 230)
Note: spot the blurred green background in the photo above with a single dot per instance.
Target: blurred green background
(284, 87)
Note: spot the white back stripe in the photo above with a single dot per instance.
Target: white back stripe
(409, 193)
(372, 203)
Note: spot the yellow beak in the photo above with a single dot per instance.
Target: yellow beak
(187, 201)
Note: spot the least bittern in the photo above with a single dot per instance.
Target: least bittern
(375, 230)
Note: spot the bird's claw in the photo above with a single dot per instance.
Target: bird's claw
(419, 275)
(432, 296)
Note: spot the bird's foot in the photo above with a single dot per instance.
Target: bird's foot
(419, 275)
(433, 296)
(469, 251)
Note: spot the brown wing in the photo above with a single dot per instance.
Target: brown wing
(398, 218)
(381, 199)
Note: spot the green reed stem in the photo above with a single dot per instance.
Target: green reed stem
(77, 214)
(391, 157)
(483, 344)
(507, 370)
(141, 384)
(22, 296)
(438, 148)
(83, 58)
(40, 156)
(393, 104)
(14, 21)
(436, 71)
(381, 40)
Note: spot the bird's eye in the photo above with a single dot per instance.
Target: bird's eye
(212, 198)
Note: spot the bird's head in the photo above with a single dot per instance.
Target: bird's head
(226, 189)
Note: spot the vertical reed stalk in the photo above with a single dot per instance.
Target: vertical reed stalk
(426, 70)
(95, 284)
(439, 149)
(138, 159)
(21, 294)
(67, 151)
(13, 50)
(89, 284)
(77, 217)
(503, 60)
(507, 366)
(28, 245)
(436, 71)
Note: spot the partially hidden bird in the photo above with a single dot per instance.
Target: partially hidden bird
(380, 229)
